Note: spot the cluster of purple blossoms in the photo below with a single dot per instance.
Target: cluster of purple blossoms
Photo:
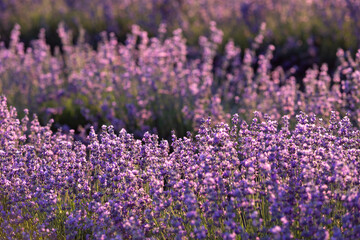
(256, 180)
(156, 85)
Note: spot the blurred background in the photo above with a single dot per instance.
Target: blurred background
(304, 31)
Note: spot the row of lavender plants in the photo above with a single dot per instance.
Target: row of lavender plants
(157, 85)
(260, 180)
(304, 32)
(334, 20)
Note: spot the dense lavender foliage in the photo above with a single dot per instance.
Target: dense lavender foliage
(173, 131)
(152, 84)
(228, 182)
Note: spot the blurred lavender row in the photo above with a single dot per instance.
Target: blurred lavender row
(304, 31)
(192, 16)
(260, 180)
(151, 84)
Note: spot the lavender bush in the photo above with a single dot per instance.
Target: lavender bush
(153, 84)
(259, 180)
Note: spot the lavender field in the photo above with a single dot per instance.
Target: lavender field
(198, 122)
